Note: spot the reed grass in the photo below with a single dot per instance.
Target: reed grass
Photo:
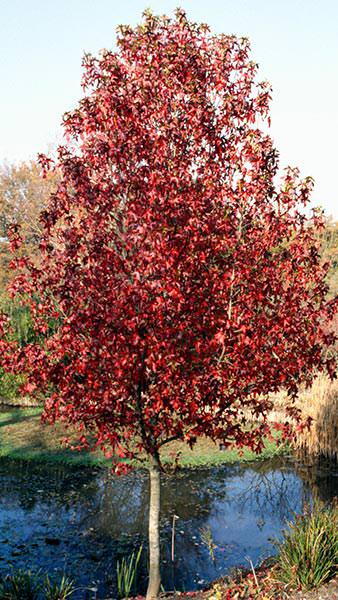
(320, 402)
(61, 590)
(20, 585)
(25, 585)
(126, 573)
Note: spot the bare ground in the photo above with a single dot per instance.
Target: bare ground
(326, 592)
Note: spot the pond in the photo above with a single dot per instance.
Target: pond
(81, 521)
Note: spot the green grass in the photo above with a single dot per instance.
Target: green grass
(24, 437)
(25, 585)
(20, 585)
(206, 453)
(308, 554)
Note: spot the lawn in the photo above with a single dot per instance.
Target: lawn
(24, 437)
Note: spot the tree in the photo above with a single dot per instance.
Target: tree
(23, 194)
(329, 251)
(186, 284)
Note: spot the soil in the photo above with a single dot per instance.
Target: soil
(326, 592)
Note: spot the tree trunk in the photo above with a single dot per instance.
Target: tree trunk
(154, 530)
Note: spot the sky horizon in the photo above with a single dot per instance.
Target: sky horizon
(295, 43)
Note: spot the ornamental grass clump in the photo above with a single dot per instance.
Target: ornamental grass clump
(61, 590)
(20, 585)
(308, 553)
(320, 403)
(25, 585)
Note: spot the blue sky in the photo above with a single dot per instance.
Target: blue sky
(294, 41)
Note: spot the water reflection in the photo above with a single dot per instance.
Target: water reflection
(82, 521)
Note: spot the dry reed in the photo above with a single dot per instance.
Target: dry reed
(320, 402)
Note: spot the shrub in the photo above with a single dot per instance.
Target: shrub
(10, 385)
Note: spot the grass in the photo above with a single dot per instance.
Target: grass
(126, 573)
(307, 559)
(320, 403)
(19, 585)
(308, 553)
(206, 453)
(25, 585)
(24, 437)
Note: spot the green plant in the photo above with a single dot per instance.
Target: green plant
(10, 385)
(20, 319)
(126, 573)
(308, 553)
(207, 539)
(20, 585)
(58, 591)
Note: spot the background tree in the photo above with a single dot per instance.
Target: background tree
(23, 195)
(329, 252)
(187, 285)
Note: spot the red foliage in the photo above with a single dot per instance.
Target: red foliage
(186, 284)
